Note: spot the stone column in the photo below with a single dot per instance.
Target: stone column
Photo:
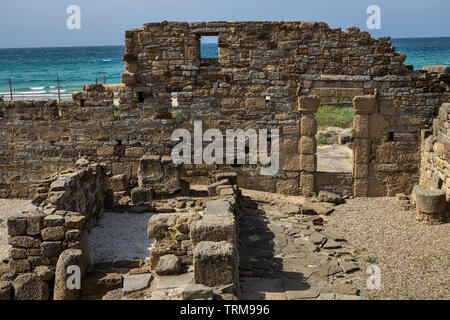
(364, 106)
(308, 105)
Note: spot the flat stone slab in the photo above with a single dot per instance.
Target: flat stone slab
(302, 294)
(132, 283)
(170, 282)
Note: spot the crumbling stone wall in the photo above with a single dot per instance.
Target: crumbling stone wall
(205, 239)
(262, 70)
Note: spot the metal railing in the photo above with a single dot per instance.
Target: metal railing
(40, 95)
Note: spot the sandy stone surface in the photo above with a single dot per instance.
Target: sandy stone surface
(413, 257)
(120, 236)
(334, 158)
(9, 207)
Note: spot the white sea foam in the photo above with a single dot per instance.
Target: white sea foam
(37, 88)
(106, 60)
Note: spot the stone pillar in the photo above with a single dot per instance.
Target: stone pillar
(430, 205)
(364, 106)
(308, 105)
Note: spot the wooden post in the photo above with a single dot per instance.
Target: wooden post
(10, 89)
(59, 92)
(96, 80)
(104, 79)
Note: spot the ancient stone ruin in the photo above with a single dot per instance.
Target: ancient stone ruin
(109, 148)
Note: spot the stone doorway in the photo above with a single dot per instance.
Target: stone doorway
(364, 130)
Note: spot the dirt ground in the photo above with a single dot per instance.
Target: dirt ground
(334, 158)
(8, 208)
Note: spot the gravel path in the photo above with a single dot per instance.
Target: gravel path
(413, 257)
(120, 236)
(9, 207)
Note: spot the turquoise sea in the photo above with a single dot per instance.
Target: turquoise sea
(35, 70)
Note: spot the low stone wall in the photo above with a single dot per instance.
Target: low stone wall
(69, 204)
(435, 164)
(206, 241)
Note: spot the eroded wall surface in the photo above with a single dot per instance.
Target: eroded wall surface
(262, 70)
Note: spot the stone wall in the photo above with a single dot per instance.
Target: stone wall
(263, 72)
(435, 165)
(205, 239)
(69, 204)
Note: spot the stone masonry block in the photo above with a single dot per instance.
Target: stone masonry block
(365, 104)
(34, 224)
(308, 125)
(17, 226)
(53, 220)
(118, 182)
(214, 228)
(431, 201)
(255, 103)
(307, 183)
(361, 151)
(308, 145)
(360, 171)
(360, 188)
(361, 126)
(308, 104)
(289, 162)
(215, 264)
(141, 195)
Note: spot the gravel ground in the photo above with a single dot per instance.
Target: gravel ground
(120, 236)
(9, 207)
(413, 257)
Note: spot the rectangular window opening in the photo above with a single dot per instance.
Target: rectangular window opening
(209, 47)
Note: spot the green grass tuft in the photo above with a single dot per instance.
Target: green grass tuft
(331, 116)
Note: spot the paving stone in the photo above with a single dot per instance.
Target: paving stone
(137, 282)
(302, 294)
(331, 244)
(348, 267)
(168, 282)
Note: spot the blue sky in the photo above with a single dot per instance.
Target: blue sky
(42, 23)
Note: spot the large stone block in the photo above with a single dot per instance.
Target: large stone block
(308, 125)
(361, 154)
(308, 104)
(214, 228)
(360, 171)
(308, 162)
(360, 188)
(51, 248)
(365, 104)
(141, 195)
(24, 242)
(5, 290)
(255, 103)
(29, 286)
(361, 126)
(290, 162)
(53, 234)
(308, 145)
(215, 264)
(118, 182)
(158, 225)
(17, 226)
(34, 224)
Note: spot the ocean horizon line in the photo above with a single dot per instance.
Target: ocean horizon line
(123, 45)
